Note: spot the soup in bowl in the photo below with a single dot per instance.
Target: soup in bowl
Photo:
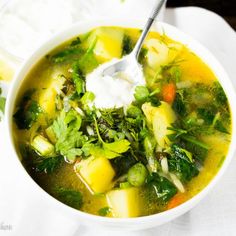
(113, 147)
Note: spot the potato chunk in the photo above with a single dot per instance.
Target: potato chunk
(157, 53)
(160, 118)
(160, 53)
(96, 172)
(47, 96)
(124, 202)
(108, 44)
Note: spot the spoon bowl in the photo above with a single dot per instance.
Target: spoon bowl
(132, 58)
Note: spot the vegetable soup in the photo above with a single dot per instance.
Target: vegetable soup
(112, 148)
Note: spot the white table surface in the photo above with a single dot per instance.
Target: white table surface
(27, 215)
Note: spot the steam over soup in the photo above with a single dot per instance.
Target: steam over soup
(150, 155)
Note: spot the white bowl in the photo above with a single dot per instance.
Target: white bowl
(122, 223)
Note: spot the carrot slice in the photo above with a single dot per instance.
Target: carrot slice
(176, 201)
(169, 92)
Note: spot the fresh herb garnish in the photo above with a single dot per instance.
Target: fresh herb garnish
(28, 111)
(179, 106)
(71, 52)
(66, 54)
(78, 79)
(48, 165)
(143, 95)
(88, 61)
(160, 188)
(181, 163)
(109, 150)
(69, 139)
(39, 163)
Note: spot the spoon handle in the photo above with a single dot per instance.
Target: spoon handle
(147, 27)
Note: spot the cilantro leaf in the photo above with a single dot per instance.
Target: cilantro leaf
(113, 149)
(99, 151)
(119, 146)
(72, 153)
(87, 98)
(110, 150)
(69, 139)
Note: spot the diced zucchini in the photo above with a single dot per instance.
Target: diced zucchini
(108, 44)
(124, 202)
(97, 173)
(47, 96)
(160, 119)
(42, 146)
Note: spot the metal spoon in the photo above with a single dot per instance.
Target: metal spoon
(132, 58)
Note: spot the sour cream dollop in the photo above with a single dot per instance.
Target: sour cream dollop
(116, 90)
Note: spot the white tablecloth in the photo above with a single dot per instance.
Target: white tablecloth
(25, 215)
